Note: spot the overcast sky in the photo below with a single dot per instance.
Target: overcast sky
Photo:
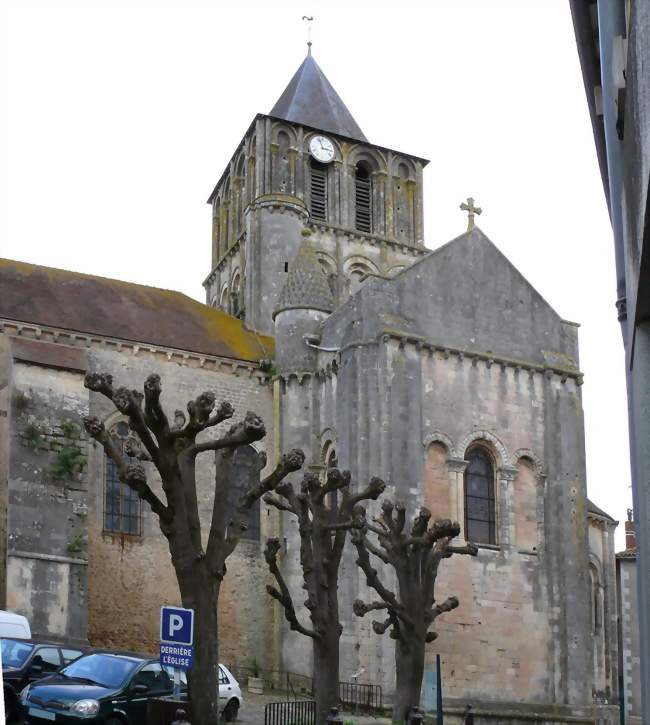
(121, 119)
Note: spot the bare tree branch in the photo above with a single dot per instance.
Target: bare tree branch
(248, 431)
(372, 578)
(283, 596)
(288, 463)
(277, 503)
(132, 475)
(372, 491)
(335, 480)
(154, 414)
(133, 449)
(200, 418)
(360, 608)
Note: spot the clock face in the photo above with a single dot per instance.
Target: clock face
(322, 149)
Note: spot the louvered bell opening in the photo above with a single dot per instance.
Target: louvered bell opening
(319, 192)
(363, 202)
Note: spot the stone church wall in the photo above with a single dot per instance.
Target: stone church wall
(408, 411)
(131, 578)
(70, 577)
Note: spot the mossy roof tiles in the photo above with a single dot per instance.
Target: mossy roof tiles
(132, 312)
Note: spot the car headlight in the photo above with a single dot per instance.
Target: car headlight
(85, 708)
(24, 694)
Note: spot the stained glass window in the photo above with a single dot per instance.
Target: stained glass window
(479, 498)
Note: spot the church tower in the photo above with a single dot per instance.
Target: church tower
(308, 164)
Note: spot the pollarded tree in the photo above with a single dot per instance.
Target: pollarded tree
(173, 450)
(323, 528)
(415, 556)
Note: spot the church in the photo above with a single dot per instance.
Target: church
(444, 372)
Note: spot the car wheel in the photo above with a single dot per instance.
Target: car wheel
(230, 711)
(114, 721)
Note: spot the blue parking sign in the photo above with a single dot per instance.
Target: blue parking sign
(177, 625)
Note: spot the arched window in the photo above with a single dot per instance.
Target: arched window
(479, 497)
(357, 273)
(223, 299)
(235, 294)
(216, 232)
(363, 198)
(330, 460)
(330, 272)
(318, 195)
(121, 503)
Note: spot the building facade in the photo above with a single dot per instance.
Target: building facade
(613, 41)
(443, 372)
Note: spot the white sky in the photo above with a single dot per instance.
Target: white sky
(121, 119)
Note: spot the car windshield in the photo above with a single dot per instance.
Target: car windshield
(15, 653)
(105, 670)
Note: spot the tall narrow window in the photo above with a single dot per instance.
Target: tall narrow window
(318, 191)
(479, 498)
(331, 461)
(121, 503)
(363, 198)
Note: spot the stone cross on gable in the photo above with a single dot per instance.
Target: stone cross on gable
(471, 211)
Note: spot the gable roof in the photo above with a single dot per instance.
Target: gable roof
(310, 100)
(468, 295)
(111, 308)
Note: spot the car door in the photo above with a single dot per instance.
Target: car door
(157, 682)
(67, 655)
(45, 662)
(225, 688)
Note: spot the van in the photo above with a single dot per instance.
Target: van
(14, 625)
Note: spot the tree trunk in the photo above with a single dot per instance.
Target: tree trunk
(200, 592)
(326, 672)
(409, 666)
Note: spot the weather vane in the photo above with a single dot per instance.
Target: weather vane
(309, 19)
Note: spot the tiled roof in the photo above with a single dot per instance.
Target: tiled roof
(627, 553)
(123, 310)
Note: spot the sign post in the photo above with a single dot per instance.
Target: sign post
(177, 640)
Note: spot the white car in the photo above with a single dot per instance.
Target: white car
(14, 626)
(230, 698)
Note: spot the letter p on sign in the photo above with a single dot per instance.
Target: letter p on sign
(177, 625)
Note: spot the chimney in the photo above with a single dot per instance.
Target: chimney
(630, 535)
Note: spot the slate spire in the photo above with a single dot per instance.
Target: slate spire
(306, 286)
(311, 100)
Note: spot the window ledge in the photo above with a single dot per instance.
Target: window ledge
(489, 547)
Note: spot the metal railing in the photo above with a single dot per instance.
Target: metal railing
(292, 712)
(357, 696)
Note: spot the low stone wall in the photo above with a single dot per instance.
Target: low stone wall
(525, 714)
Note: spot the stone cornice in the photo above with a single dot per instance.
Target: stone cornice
(422, 344)
(507, 473)
(230, 252)
(373, 239)
(457, 465)
(71, 338)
